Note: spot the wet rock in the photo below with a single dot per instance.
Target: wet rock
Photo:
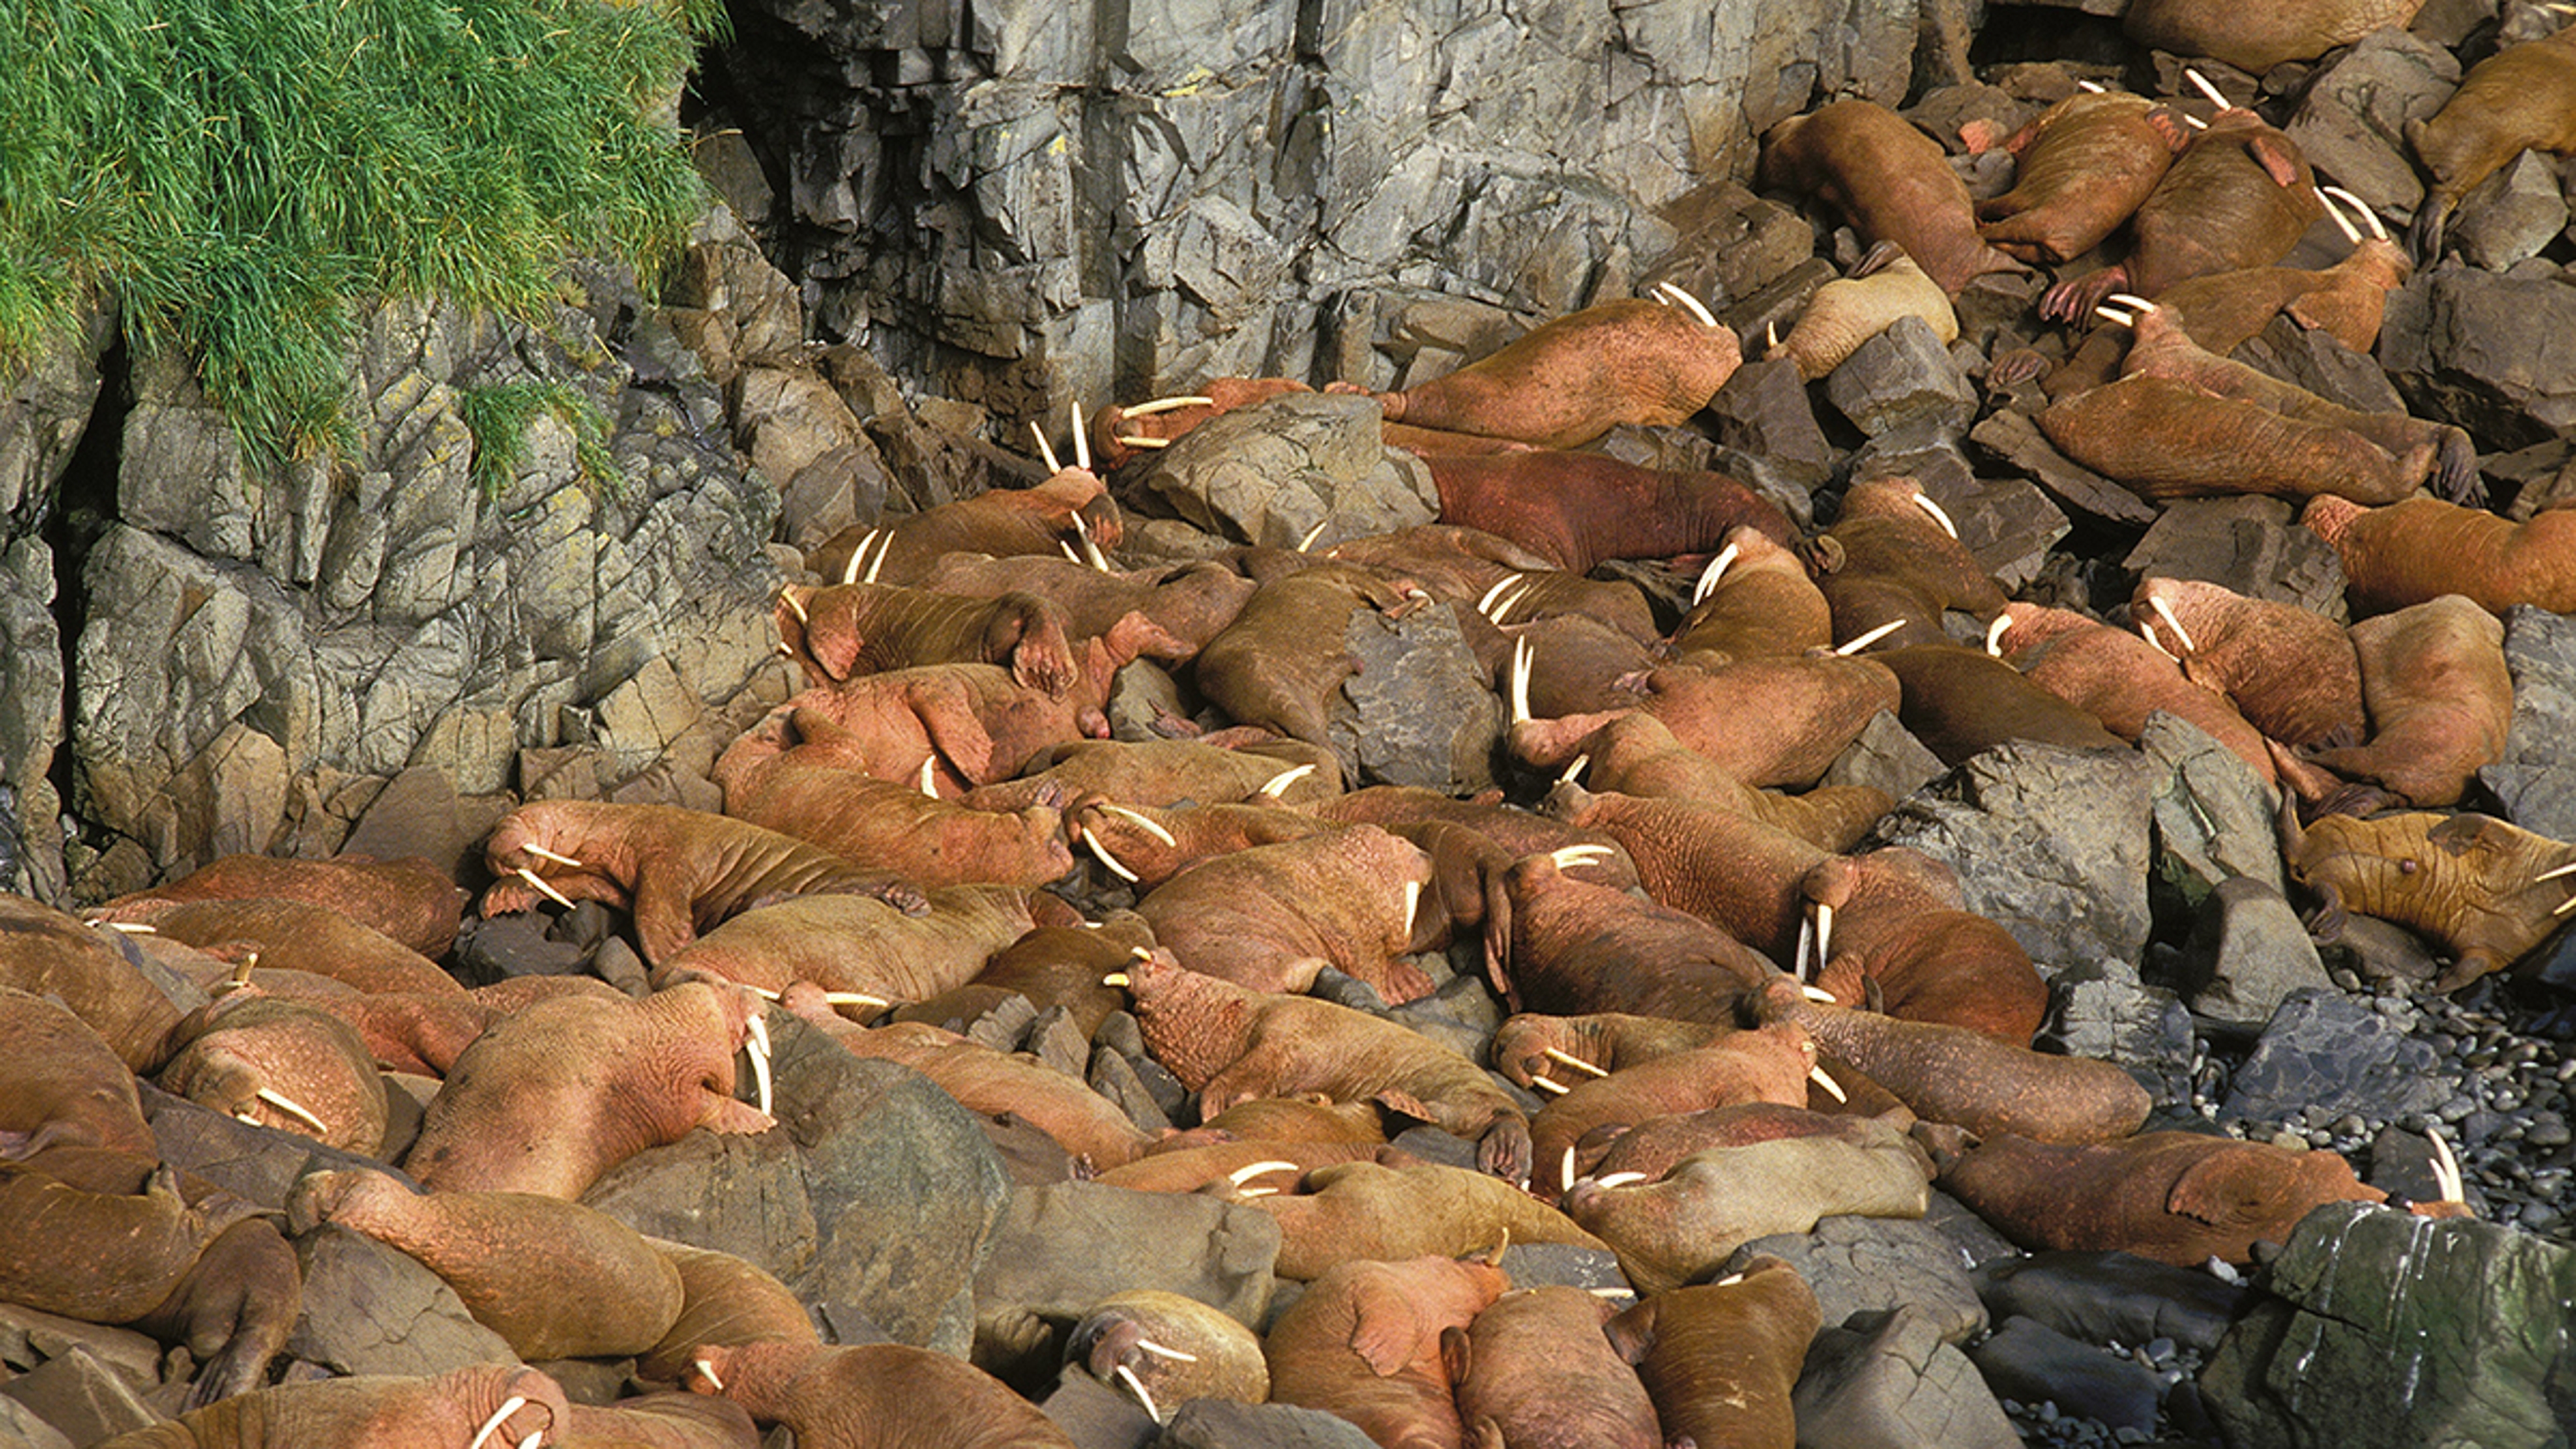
(2253, 546)
(2113, 1297)
(2511, 215)
(2030, 1362)
(2536, 779)
(2213, 814)
(1225, 1424)
(1903, 375)
(1898, 1384)
(742, 1194)
(1862, 1265)
(2051, 843)
(1425, 714)
(2099, 1008)
(2386, 1328)
(81, 1398)
(1268, 474)
(2321, 1050)
(2351, 124)
(2479, 349)
(1886, 755)
(374, 1309)
(2247, 952)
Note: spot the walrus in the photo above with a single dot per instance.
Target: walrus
(1363, 1343)
(409, 900)
(872, 1394)
(859, 943)
(283, 1064)
(1952, 1074)
(2119, 678)
(2255, 38)
(2290, 671)
(508, 1403)
(1579, 510)
(894, 827)
(1071, 507)
(1893, 564)
(1883, 286)
(2418, 549)
(61, 1084)
(1168, 1349)
(1889, 180)
(2487, 891)
(1719, 1360)
(1371, 1209)
(2520, 98)
(833, 633)
(1536, 1371)
(1767, 1064)
(2440, 697)
(2082, 167)
(1755, 598)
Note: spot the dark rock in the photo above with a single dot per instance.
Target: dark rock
(2478, 349)
(2101, 1009)
(2051, 843)
(21, 1429)
(1426, 714)
(2322, 1050)
(1734, 244)
(2012, 438)
(1224, 1424)
(2351, 124)
(498, 948)
(2511, 215)
(1763, 410)
(2536, 779)
(1096, 1416)
(2402, 1164)
(81, 1398)
(258, 1164)
(29, 1336)
(2253, 546)
(2311, 358)
(1268, 474)
(1112, 1076)
(2006, 524)
(742, 1194)
(374, 1309)
(2030, 1362)
(1886, 755)
(1861, 1265)
(1898, 1384)
(2213, 814)
(2247, 952)
(1541, 1265)
(2112, 1298)
(418, 812)
(1969, 1235)
(1902, 375)
(2386, 956)
(2388, 1328)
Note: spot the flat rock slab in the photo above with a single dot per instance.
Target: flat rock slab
(1864, 1265)
(2323, 1050)
(1899, 1385)
(374, 1309)
(2536, 779)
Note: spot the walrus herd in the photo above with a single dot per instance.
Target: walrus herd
(1654, 997)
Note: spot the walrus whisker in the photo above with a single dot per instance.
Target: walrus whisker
(2334, 213)
(2165, 612)
(1174, 1354)
(1136, 1386)
(1688, 301)
(1571, 1060)
(1995, 635)
(2216, 96)
(509, 1406)
(1845, 651)
(1565, 855)
(543, 888)
(1832, 1088)
(1412, 908)
(850, 570)
(1242, 1175)
(1150, 827)
(759, 1031)
(1046, 450)
(1277, 785)
(541, 853)
(1081, 438)
(1166, 404)
(1555, 1088)
(1619, 1179)
(291, 1108)
(1143, 442)
(1111, 861)
(1574, 772)
(2446, 1168)
(1940, 515)
(2377, 232)
(1716, 570)
(1524, 655)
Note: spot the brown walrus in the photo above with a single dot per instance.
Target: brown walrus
(2419, 549)
(2083, 165)
(2478, 886)
(2255, 38)
(1889, 180)
(2522, 97)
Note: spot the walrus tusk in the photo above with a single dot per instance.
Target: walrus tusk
(287, 1105)
(1117, 979)
(2115, 316)
(1312, 534)
(1571, 1060)
(1277, 785)
(1505, 582)
(1995, 635)
(1565, 855)
(1716, 570)
(2165, 612)
(1873, 636)
(2377, 232)
(535, 1438)
(1565, 1170)
(2217, 97)
(1081, 439)
(1068, 550)
(2095, 87)
(1688, 301)
(542, 888)
(1729, 1281)
(1832, 1088)
(794, 605)
(1150, 1346)
(883, 548)
(1494, 1259)
(1574, 772)
(1818, 993)
(1242, 1175)
(2334, 213)
(1412, 908)
(1524, 655)
(1619, 1179)
(2195, 122)
(516, 1402)
(2446, 1168)
(1544, 1085)
(850, 570)
(1165, 405)
(2132, 301)
(2563, 907)
(541, 853)
(1111, 861)
(927, 787)
(1771, 333)
(1824, 935)
(1142, 442)
(1924, 501)
(1806, 938)
(1091, 551)
(1046, 450)
(2568, 869)
(1150, 827)
(852, 998)
(1137, 1386)
(759, 1058)
(250, 963)
(2147, 631)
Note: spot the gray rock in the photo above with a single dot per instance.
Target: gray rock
(2311, 358)
(2510, 215)
(2253, 546)
(1900, 376)
(2213, 814)
(2012, 438)
(2248, 952)
(31, 719)
(1763, 411)
(374, 1309)
(2099, 1008)
(1097, 1416)
(29, 1336)
(1896, 1385)
(2006, 524)
(742, 1194)
(1425, 714)
(2389, 1329)
(2030, 1362)
(1885, 755)
(905, 1189)
(2351, 123)
(2112, 1298)
(81, 1398)
(1540, 1265)
(2051, 843)
(257, 1164)
(21, 1429)
(1224, 1424)
(2477, 348)
(2536, 778)
(1864, 1265)
(1970, 1236)
(2324, 1051)
(2386, 956)
(1269, 473)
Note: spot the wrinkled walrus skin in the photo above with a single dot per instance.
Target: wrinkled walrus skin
(2255, 38)
(2470, 882)
(2521, 98)
(1537, 1367)
(2419, 549)
(1566, 382)
(1720, 1359)
(873, 1396)
(1889, 180)
(2082, 166)
(372, 1411)
(1363, 1343)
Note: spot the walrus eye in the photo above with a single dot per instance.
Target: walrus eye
(2407, 867)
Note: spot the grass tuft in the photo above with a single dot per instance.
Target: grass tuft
(238, 176)
(498, 417)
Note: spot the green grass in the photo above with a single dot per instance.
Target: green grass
(498, 417)
(239, 174)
